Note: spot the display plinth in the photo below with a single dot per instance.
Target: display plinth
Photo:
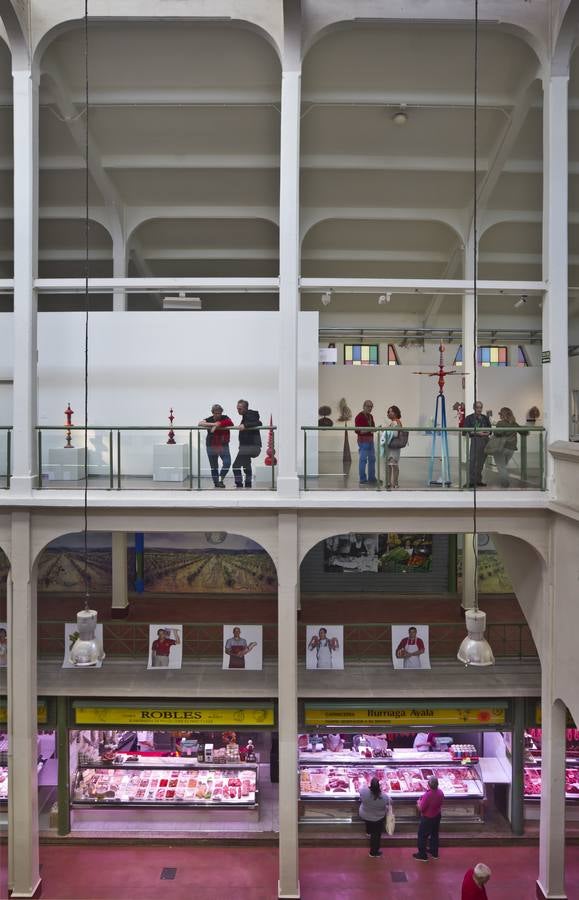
(170, 462)
(65, 463)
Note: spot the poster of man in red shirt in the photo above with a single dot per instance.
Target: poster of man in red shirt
(410, 647)
(165, 649)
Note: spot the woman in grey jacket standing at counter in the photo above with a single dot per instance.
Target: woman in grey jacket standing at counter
(373, 808)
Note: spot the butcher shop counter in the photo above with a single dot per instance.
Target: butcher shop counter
(329, 790)
(532, 790)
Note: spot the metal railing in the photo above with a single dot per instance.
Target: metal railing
(362, 642)
(130, 457)
(331, 464)
(5, 456)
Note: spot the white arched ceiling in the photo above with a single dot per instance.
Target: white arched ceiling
(354, 157)
(184, 124)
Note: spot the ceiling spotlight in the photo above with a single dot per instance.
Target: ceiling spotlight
(400, 117)
(384, 298)
(521, 301)
(182, 301)
(326, 298)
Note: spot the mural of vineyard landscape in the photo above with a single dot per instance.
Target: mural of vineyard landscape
(199, 563)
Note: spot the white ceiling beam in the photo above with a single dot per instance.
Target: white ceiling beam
(156, 285)
(504, 145)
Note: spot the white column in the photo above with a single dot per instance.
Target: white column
(119, 269)
(23, 863)
(551, 882)
(120, 587)
(555, 213)
(288, 578)
(24, 466)
(468, 567)
(289, 254)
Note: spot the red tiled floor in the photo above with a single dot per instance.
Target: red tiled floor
(250, 873)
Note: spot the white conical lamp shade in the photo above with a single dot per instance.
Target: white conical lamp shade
(86, 650)
(475, 650)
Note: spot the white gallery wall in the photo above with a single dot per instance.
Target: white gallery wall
(143, 363)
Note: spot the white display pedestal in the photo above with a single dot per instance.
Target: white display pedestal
(65, 464)
(170, 462)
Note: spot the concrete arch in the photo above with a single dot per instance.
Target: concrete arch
(263, 528)
(16, 34)
(386, 218)
(134, 232)
(74, 23)
(566, 40)
(311, 221)
(523, 34)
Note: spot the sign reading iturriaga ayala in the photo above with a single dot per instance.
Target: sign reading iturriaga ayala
(406, 716)
(150, 715)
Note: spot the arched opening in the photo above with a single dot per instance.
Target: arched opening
(182, 618)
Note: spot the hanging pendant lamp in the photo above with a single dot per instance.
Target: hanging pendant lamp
(475, 650)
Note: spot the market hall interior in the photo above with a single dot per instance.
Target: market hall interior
(281, 211)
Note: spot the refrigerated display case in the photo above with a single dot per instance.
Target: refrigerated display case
(532, 781)
(329, 791)
(165, 783)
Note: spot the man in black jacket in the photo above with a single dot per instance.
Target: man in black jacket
(249, 443)
(478, 441)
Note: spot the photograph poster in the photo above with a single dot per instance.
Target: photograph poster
(3, 645)
(324, 646)
(394, 554)
(71, 636)
(410, 647)
(243, 647)
(165, 647)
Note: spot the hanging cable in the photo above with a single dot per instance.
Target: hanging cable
(86, 308)
(474, 286)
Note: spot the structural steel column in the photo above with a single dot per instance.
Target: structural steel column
(289, 251)
(555, 216)
(25, 86)
(517, 811)
(551, 882)
(23, 863)
(119, 269)
(120, 589)
(288, 574)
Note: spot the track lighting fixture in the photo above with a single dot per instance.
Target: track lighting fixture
(521, 301)
(400, 117)
(384, 298)
(326, 298)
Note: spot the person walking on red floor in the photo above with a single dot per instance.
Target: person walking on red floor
(430, 809)
(373, 808)
(473, 884)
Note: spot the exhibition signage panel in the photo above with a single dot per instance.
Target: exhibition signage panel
(173, 715)
(410, 715)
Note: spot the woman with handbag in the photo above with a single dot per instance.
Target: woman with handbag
(503, 444)
(374, 807)
(391, 443)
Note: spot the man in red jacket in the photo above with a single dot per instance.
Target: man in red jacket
(473, 885)
(366, 453)
(218, 425)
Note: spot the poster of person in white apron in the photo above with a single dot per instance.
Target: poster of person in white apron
(410, 647)
(324, 647)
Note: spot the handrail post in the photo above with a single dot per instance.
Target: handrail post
(273, 459)
(111, 462)
(39, 459)
(306, 459)
(118, 459)
(541, 437)
(8, 458)
(376, 437)
(523, 457)
(198, 460)
(460, 460)
(190, 459)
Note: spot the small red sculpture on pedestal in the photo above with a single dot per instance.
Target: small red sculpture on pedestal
(69, 413)
(171, 432)
(270, 459)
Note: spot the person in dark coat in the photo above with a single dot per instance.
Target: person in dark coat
(249, 444)
(218, 432)
(478, 442)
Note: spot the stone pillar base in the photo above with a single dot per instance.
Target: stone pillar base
(541, 895)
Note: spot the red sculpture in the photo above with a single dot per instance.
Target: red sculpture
(69, 413)
(171, 432)
(270, 459)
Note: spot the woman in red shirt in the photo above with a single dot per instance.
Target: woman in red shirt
(473, 885)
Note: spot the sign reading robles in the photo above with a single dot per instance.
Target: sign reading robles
(127, 715)
(406, 716)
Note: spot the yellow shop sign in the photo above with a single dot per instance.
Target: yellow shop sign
(475, 715)
(163, 715)
(42, 714)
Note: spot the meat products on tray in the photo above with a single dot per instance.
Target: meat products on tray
(199, 786)
(346, 781)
